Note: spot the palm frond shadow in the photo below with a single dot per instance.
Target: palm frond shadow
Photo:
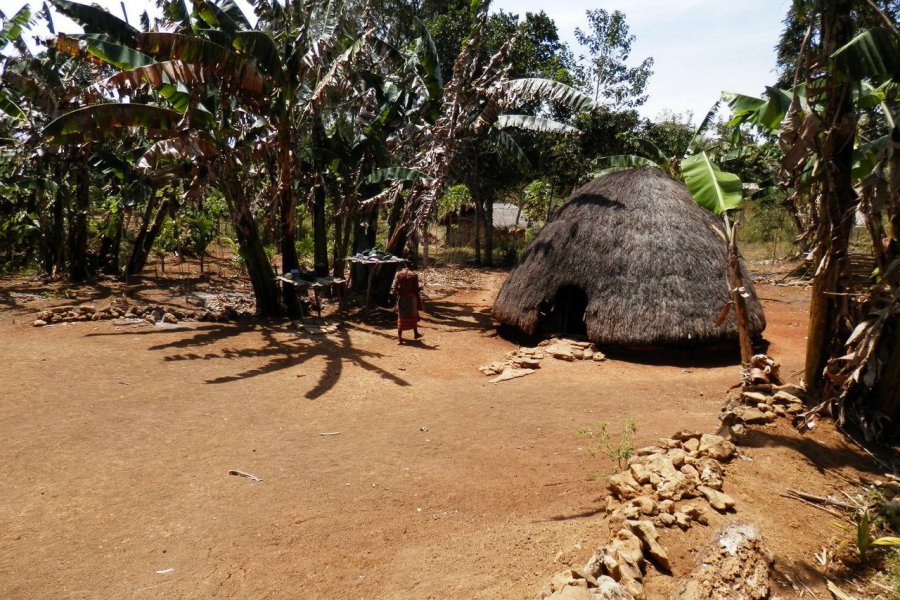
(282, 346)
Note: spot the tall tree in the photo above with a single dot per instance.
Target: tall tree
(608, 42)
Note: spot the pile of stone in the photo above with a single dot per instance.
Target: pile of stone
(525, 361)
(761, 369)
(760, 405)
(737, 564)
(570, 350)
(669, 484)
(685, 466)
(119, 310)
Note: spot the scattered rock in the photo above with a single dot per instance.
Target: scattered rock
(685, 435)
(645, 505)
(666, 519)
(169, 318)
(716, 447)
(624, 486)
(677, 456)
(511, 373)
(720, 501)
(647, 534)
(754, 397)
(784, 398)
(711, 473)
(695, 512)
(571, 592)
(691, 445)
(624, 561)
(691, 472)
(38, 323)
(609, 589)
(754, 416)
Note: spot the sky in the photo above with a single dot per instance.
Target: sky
(699, 47)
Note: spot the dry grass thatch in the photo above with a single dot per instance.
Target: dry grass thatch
(645, 254)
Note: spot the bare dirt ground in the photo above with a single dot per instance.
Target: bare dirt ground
(117, 441)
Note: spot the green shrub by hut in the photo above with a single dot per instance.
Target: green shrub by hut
(629, 259)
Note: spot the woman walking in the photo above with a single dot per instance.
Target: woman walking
(409, 302)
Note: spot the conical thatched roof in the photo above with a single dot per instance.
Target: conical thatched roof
(646, 256)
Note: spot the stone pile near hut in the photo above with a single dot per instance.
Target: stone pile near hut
(525, 360)
(149, 313)
(673, 483)
(760, 405)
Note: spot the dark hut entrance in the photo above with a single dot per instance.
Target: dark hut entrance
(565, 315)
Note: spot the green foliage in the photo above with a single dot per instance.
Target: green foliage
(608, 42)
(305, 248)
(455, 199)
(537, 201)
(713, 189)
(765, 220)
(893, 572)
(618, 450)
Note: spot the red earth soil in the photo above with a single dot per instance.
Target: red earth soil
(117, 442)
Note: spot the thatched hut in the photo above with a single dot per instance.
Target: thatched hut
(629, 259)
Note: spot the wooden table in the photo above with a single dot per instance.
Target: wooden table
(304, 285)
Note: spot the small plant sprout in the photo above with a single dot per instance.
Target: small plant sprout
(618, 450)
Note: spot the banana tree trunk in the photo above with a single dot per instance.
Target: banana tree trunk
(887, 400)
(287, 206)
(478, 219)
(262, 278)
(827, 331)
(736, 284)
(319, 216)
(57, 247)
(398, 230)
(489, 231)
(143, 243)
(111, 242)
(78, 230)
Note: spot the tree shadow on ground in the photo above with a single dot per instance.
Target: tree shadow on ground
(450, 316)
(820, 456)
(283, 347)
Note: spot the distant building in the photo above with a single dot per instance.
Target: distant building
(508, 222)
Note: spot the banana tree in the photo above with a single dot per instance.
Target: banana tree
(837, 130)
(720, 192)
(473, 105)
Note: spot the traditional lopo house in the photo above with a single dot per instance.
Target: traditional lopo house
(630, 259)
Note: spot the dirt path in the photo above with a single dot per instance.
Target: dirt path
(117, 442)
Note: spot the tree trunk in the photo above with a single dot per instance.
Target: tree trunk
(55, 249)
(887, 400)
(827, 330)
(287, 207)
(364, 235)
(398, 232)
(143, 244)
(111, 242)
(251, 248)
(78, 230)
(319, 218)
(478, 218)
(489, 231)
(736, 283)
